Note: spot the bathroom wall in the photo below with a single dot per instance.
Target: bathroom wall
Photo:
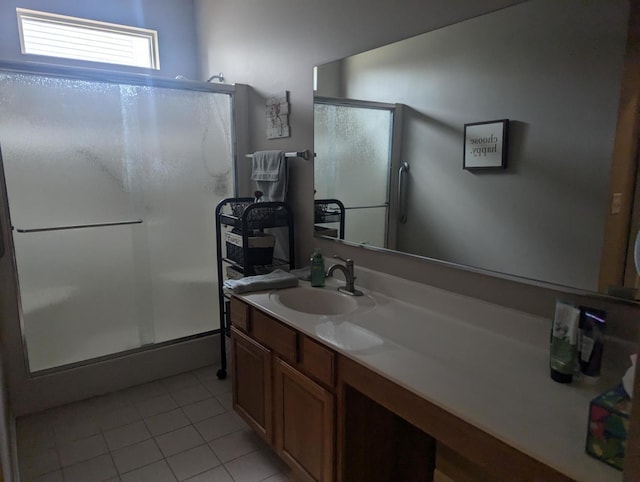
(274, 45)
(173, 19)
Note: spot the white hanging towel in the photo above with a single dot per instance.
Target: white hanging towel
(269, 170)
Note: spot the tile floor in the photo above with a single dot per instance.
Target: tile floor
(176, 429)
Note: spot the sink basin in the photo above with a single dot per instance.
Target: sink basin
(318, 301)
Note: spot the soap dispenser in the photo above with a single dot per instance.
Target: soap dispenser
(317, 269)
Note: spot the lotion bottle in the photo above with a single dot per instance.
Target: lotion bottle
(317, 269)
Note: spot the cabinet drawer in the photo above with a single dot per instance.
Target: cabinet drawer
(275, 335)
(317, 361)
(240, 315)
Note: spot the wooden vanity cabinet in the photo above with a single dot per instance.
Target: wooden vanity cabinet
(331, 418)
(283, 387)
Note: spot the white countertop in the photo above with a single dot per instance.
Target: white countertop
(484, 363)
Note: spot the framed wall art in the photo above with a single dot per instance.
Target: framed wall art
(485, 145)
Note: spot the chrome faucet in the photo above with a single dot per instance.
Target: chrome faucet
(349, 276)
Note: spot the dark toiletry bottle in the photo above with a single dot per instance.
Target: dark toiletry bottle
(592, 329)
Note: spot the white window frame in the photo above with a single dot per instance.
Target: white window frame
(89, 28)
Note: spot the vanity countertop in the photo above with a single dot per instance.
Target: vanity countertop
(484, 363)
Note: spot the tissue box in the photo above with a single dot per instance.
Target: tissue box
(608, 426)
(260, 248)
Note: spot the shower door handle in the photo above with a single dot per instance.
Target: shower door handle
(402, 192)
(78, 226)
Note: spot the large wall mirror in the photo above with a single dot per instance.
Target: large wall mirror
(389, 139)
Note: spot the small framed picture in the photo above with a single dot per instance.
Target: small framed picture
(485, 145)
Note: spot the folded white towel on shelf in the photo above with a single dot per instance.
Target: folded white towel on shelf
(269, 170)
(277, 279)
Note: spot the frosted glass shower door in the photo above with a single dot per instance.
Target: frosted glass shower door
(111, 192)
(184, 169)
(353, 163)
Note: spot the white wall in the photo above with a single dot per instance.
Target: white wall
(274, 45)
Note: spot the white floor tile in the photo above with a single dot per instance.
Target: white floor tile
(279, 478)
(218, 426)
(140, 393)
(72, 411)
(154, 406)
(235, 445)
(35, 431)
(109, 402)
(118, 417)
(254, 467)
(203, 409)
(183, 413)
(193, 462)
(219, 474)
(179, 440)
(93, 470)
(75, 429)
(215, 386)
(50, 477)
(136, 456)
(226, 400)
(127, 435)
(81, 450)
(192, 394)
(206, 373)
(39, 463)
(167, 422)
(180, 382)
(156, 472)
(34, 439)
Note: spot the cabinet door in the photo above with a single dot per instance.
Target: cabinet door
(304, 423)
(252, 383)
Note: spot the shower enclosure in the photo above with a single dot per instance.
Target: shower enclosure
(112, 187)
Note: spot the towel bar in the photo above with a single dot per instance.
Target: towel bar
(302, 154)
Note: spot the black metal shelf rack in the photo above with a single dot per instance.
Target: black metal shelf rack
(329, 211)
(245, 217)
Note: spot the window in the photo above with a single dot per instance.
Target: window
(54, 35)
